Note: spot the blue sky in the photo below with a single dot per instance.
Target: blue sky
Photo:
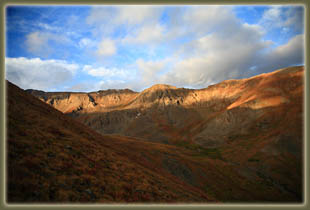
(88, 48)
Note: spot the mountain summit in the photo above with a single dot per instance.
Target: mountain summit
(159, 87)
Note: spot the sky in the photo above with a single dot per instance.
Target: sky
(91, 48)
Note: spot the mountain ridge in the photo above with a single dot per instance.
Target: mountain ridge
(194, 115)
(53, 158)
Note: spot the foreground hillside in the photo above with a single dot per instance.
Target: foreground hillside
(256, 157)
(52, 158)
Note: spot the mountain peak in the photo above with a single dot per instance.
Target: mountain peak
(160, 87)
(110, 91)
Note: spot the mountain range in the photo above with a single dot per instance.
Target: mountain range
(235, 141)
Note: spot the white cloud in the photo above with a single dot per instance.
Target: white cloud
(111, 84)
(137, 14)
(204, 19)
(195, 21)
(99, 14)
(106, 48)
(37, 42)
(38, 74)
(191, 71)
(140, 23)
(105, 72)
(151, 34)
(48, 27)
(86, 43)
(293, 47)
(149, 72)
(295, 17)
(224, 48)
(214, 59)
(271, 14)
(216, 45)
(217, 56)
(132, 15)
(291, 53)
(114, 78)
(149, 69)
(283, 17)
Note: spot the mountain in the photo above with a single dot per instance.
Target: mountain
(53, 158)
(210, 117)
(236, 141)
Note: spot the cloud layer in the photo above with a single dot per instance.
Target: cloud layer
(38, 74)
(220, 46)
(138, 46)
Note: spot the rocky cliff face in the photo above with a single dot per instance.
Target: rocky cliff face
(67, 102)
